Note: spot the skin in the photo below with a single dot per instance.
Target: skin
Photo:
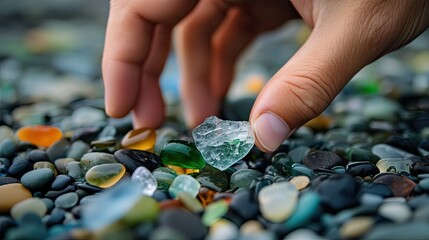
(211, 34)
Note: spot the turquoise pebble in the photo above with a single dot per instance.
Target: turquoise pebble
(308, 207)
(299, 169)
(184, 183)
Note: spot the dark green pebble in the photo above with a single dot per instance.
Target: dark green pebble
(19, 166)
(37, 178)
(215, 180)
(243, 178)
(132, 159)
(355, 154)
(7, 148)
(183, 154)
(282, 162)
(58, 149)
(37, 155)
(299, 169)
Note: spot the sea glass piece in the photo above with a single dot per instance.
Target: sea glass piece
(146, 180)
(43, 136)
(223, 143)
(140, 139)
(184, 183)
(182, 154)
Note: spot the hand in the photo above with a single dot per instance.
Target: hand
(346, 36)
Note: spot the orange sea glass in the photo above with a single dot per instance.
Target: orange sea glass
(140, 139)
(206, 196)
(39, 135)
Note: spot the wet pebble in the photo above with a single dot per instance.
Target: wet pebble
(322, 159)
(37, 178)
(67, 200)
(132, 159)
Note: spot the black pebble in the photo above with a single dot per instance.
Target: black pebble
(338, 192)
(57, 217)
(54, 194)
(88, 188)
(362, 169)
(419, 167)
(322, 159)
(132, 159)
(58, 149)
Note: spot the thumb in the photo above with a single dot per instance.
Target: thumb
(305, 85)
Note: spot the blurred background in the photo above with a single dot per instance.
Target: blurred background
(50, 54)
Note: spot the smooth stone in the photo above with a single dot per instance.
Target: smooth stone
(419, 167)
(56, 217)
(308, 208)
(58, 149)
(61, 181)
(244, 204)
(132, 159)
(362, 169)
(37, 155)
(396, 212)
(356, 227)
(12, 194)
(49, 204)
(39, 165)
(243, 178)
(105, 175)
(282, 162)
(401, 186)
(213, 212)
(297, 154)
(416, 230)
(6, 223)
(75, 170)
(277, 202)
(183, 154)
(164, 135)
(92, 159)
(338, 192)
(8, 180)
(20, 165)
(191, 203)
(424, 184)
(395, 164)
(43, 136)
(300, 182)
(164, 177)
(139, 139)
(102, 145)
(146, 179)
(386, 151)
(110, 206)
(77, 150)
(378, 189)
(299, 169)
(30, 227)
(321, 159)
(369, 199)
(184, 183)
(67, 200)
(214, 179)
(31, 205)
(223, 143)
(7, 148)
(146, 209)
(355, 154)
(184, 222)
(61, 164)
(37, 178)
(54, 194)
(223, 229)
(303, 234)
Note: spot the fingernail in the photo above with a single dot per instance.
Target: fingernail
(270, 130)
